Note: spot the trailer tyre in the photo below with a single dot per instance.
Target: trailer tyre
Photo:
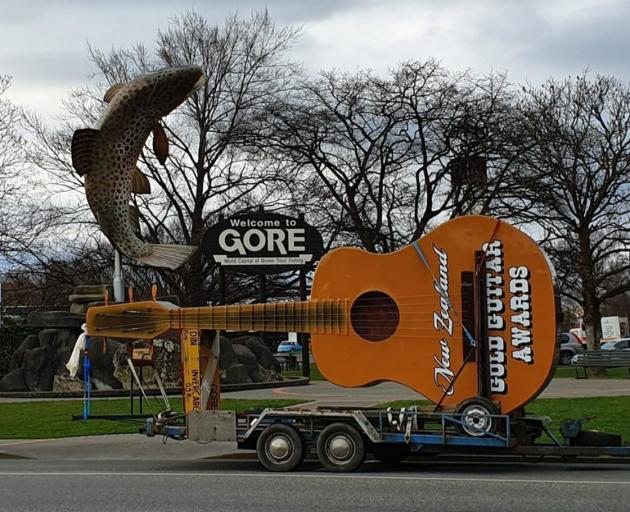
(477, 417)
(595, 438)
(340, 448)
(280, 448)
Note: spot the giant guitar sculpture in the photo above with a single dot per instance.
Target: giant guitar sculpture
(466, 311)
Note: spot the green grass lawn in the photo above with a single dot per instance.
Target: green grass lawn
(612, 414)
(561, 373)
(315, 375)
(48, 419)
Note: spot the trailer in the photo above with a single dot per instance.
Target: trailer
(342, 438)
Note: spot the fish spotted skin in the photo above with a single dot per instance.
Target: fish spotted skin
(108, 155)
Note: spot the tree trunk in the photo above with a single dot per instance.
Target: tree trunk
(592, 315)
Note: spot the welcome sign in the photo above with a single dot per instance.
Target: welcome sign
(263, 243)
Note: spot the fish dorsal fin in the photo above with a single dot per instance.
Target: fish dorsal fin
(134, 218)
(111, 92)
(139, 182)
(160, 143)
(82, 149)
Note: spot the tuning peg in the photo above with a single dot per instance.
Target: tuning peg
(130, 293)
(154, 291)
(106, 297)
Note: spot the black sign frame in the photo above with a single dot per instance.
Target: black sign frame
(263, 243)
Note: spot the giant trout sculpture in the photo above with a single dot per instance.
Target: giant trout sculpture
(107, 156)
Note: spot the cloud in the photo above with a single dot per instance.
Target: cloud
(43, 44)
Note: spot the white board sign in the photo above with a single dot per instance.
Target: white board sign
(611, 329)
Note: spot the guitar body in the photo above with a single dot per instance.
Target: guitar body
(405, 328)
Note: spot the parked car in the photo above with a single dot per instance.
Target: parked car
(289, 346)
(570, 345)
(620, 344)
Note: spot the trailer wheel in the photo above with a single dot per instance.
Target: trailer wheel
(280, 448)
(595, 438)
(390, 454)
(476, 416)
(340, 448)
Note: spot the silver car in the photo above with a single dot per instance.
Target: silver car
(570, 345)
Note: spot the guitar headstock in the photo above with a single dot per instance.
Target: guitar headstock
(136, 320)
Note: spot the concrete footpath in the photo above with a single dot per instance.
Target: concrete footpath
(113, 447)
(321, 393)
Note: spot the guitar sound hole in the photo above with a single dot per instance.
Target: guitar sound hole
(374, 316)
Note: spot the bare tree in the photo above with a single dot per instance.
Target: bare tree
(573, 184)
(207, 171)
(374, 157)
(23, 216)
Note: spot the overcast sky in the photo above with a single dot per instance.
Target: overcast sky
(43, 43)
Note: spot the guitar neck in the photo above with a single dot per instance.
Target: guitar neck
(327, 316)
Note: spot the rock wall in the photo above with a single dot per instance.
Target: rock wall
(39, 362)
(247, 359)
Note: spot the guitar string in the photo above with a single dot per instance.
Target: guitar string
(296, 317)
(268, 309)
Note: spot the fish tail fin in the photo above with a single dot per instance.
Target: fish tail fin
(168, 255)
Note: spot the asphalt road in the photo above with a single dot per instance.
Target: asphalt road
(240, 485)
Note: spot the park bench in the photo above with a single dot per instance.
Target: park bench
(600, 359)
(288, 361)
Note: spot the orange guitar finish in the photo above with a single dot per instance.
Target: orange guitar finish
(420, 341)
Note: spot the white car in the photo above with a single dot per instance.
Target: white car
(620, 344)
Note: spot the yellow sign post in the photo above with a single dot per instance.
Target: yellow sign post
(191, 374)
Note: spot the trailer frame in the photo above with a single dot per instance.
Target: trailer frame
(395, 434)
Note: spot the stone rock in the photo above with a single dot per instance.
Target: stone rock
(64, 383)
(62, 319)
(93, 289)
(17, 359)
(122, 373)
(267, 375)
(227, 356)
(49, 338)
(84, 299)
(263, 353)
(39, 369)
(13, 381)
(236, 374)
(102, 364)
(167, 357)
(100, 385)
(78, 309)
(245, 357)
(167, 362)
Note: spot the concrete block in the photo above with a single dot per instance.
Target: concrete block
(206, 426)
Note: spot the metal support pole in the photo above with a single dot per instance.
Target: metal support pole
(119, 289)
(131, 395)
(304, 338)
(141, 387)
(262, 282)
(222, 292)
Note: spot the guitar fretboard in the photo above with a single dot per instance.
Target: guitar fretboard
(326, 316)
